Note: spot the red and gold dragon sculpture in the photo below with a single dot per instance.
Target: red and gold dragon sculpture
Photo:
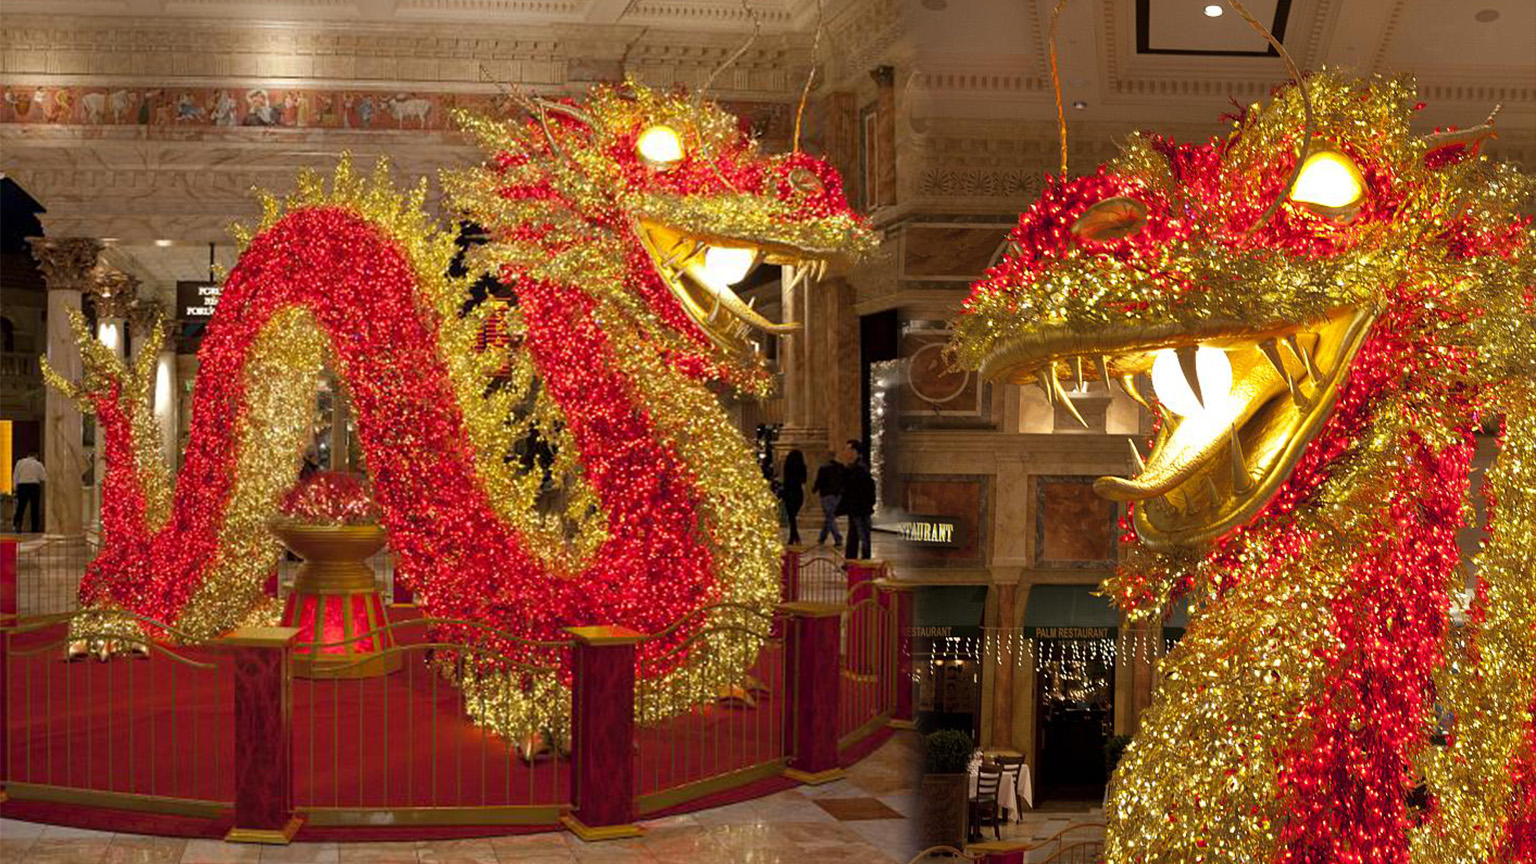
(597, 319)
(1325, 334)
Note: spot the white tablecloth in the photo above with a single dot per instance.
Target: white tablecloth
(1007, 794)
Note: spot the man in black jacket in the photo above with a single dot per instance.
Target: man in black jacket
(858, 499)
(829, 486)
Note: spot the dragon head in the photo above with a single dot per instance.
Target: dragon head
(657, 202)
(1247, 285)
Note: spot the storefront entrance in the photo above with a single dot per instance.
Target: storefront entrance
(946, 645)
(1076, 709)
(1074, 636)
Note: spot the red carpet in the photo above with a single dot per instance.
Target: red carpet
(160, 727)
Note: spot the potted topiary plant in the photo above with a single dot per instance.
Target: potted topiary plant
(1114, 748)
(946, 787)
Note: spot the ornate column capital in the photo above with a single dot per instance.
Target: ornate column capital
(115, 291)
(142, 316)
(66, 262)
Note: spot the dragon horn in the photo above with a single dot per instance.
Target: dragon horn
(98, 361)
(561, 108)
(1441, 140)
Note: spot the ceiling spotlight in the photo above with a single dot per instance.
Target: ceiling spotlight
(1214, 10)
(1079, 104)
(164, 243)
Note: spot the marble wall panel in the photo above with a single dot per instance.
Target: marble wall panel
(934, 386)
(1074, 526)
(936, 251)
(964, 498)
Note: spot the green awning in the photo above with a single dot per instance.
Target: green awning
(1069, 606)
(949, 605)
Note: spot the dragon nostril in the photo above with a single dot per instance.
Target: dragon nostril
(805, 181)
(1111, 219)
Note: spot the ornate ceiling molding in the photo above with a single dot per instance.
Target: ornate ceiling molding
(52, 49)
(692, 14)
(861, 35)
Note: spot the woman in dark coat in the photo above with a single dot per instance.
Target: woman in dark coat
(792, 491)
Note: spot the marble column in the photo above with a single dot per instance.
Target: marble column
(796, 356)
(820, 364)
(66, 264)
(1002, 686)
(114, 292)
(164, 404)
(1024, 699)
(885, 136)
(1141, 649)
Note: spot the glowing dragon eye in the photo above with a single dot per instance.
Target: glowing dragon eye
(660, 146)
(1329, 184)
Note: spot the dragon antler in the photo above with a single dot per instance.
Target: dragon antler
(1451, 137)
(104, 369)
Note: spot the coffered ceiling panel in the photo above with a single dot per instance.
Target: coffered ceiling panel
(1135, 62)
(1487, 39)
(1188, 27)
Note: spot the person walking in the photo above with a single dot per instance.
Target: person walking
(792, 492)
(829, 487)
(858, 500)
(28, 476)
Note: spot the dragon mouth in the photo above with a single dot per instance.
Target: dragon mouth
(1238, 407)
(700, 271)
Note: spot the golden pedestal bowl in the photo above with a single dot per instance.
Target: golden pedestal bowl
(334, 599)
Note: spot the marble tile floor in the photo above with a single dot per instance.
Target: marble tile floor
(1042, 824)
(1037, 826)
(784, 828)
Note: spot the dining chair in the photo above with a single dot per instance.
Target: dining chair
(1014, 765)
(984, 806)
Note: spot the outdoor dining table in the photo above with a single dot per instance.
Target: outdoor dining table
(1007, 793)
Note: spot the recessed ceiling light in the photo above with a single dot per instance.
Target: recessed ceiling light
(109, 240)
(1487, 15)
(164, 243)
(1079, 104)
(1214, 10)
